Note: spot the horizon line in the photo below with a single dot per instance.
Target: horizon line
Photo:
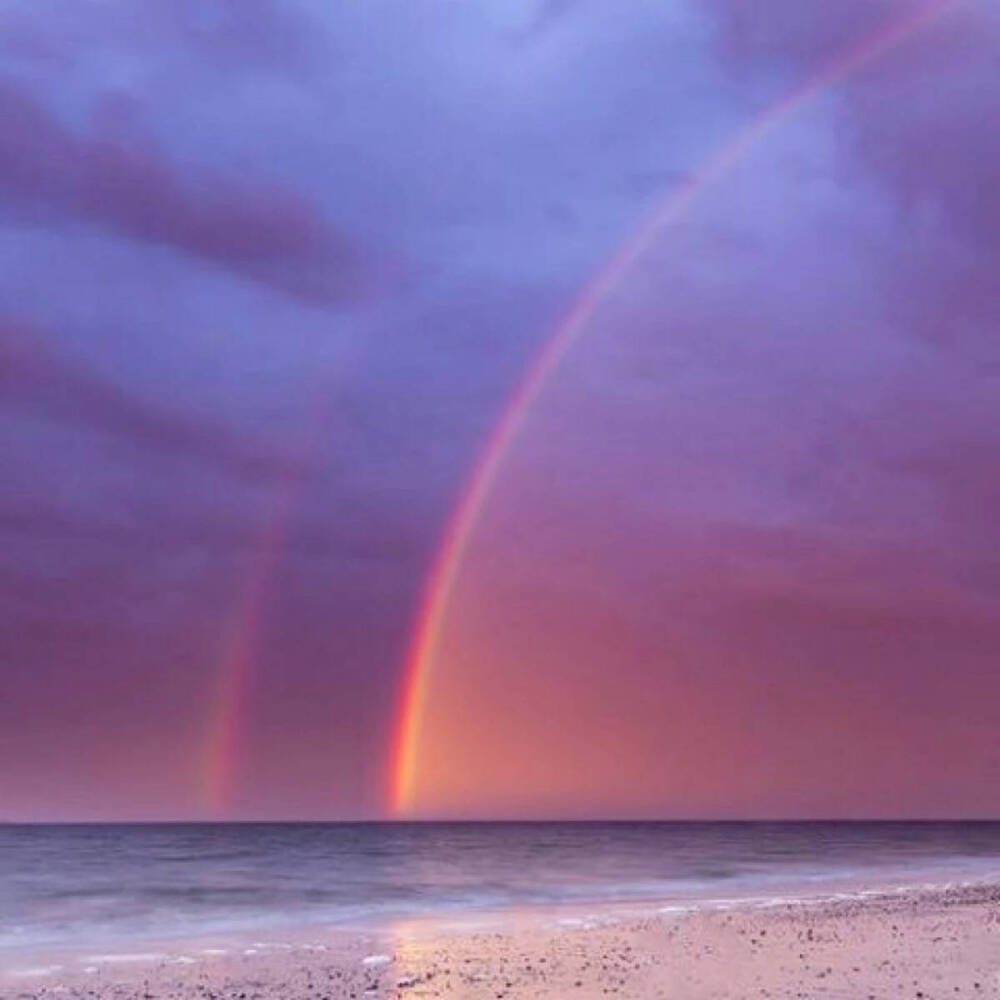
(399, 821)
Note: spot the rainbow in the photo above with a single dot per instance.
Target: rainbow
(229, 708)
(220, 761)
(440, 582)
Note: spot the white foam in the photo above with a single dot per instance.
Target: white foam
(373, 961)
(183, 960)
(767, 904)
(138, 956)
(42, 970)
(215, 951)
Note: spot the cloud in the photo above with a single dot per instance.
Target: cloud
(125, 184)
(247, 34)
(548, 14)
(33, 379)
(916, 123)
(237, 36)
(787, 33)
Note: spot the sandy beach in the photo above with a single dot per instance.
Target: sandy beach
(921, 943)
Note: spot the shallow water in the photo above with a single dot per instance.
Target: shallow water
(67, 886)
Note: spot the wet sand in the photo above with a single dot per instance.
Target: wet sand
(927, 943)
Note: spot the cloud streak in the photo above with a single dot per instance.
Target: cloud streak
(265, 232)
(33, 379)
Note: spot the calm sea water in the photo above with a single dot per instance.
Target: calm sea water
(68, 885)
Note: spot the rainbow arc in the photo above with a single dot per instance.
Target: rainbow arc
(446, 569)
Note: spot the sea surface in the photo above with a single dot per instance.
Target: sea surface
(70, 886)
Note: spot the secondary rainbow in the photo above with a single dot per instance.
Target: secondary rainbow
(227, 722)
(440, 582)
(223, 752)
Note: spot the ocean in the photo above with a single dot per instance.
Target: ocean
(96, 885)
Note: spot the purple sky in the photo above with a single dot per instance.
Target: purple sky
(261, 254)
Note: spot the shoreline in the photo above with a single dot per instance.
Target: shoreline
(591, 949)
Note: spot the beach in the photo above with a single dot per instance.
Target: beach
(922, 942)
